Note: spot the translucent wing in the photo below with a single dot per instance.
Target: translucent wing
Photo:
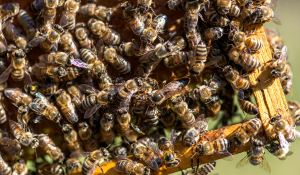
(8, 142)
(42, 65)
(98, 47)
(42, 98)
(136, 128)
(36, 107)
(201, 123)
(273, 4)
(151, 163)
(174, 135)
(55, 47)
(244, 161)
(77, 154)
(27, 78)
(72, 116)
(276, 20)
(36, 41)
(284, 144)
(65, 18)
(155, 149)
(88, 113)
(225, 155)
(283, 54)
(297, 133)
(145, 58)
(5, 75)
(44, 58)
(115, 88)
(265, 165)
(287, 154)
(80, 63)
(88, 89)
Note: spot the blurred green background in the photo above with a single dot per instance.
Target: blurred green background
(289, 13)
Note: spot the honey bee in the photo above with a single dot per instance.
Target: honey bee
(222, 22)
(294, 107)
(70, 135)
(216, 146)
(193, 38)
(223, 6)
(68, 16)
(150, 34)
(253, 44)
(53, 72)
(27, 24)
(20, 168)
(238, 37)
(180, 107)
(177, 59)
(82, 36)
(150, 60)
(67, 108)
(143, 150)
(175, 4)
(139, 103)
(108, 35)
(110, 55)
(17, 69)
(130, 14)
(204, 170)
(9, 10)
(54, 168)
(132, 49)
(75, 92)
(127, 166)
(50, 148)
(96, 158)
(234, 10)
(168, 118)
(73, 165)
(107, 123)
(41, 106)
(5, 168)
(68, 44)
(234, 78)
(17, 96)
(279, 66)
(255, 156)
(169, 90)
(213, 105)
(120, 152)
(193, 9)
(152, 116)
(3, 117)
(213, 33)
(72, 73)
(12, 147)
(94, 101)
(276, 150)
(25, 138)
(100, 12)
(247, 130)
(193, 134)
(48, 40)
(166, 150)
(85, 134)
(144, 5)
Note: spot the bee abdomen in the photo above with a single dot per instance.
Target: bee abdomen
(17, 74)
(111, 37)
(3, 117)
(89, 102)
(207, 168)
(243, 83)
(234, 10)
(124, 166)
(201, 51)
(123, 66)
(87, 56)
(190, 21)
(253, 125)
(137, 26)
(253, 44)
(249, 107)
(178, 59)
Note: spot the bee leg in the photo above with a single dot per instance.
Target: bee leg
(177, 152)
(101, 169)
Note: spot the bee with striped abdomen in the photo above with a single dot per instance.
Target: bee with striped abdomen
(5, 168)
(180, 107)
(27, 24)
(50, 148)
(82, 36)
(107, 123)
(128, 166)
(64, 101)
(13, 34)
(276, 150)
(100, 12)
(12, 147)
(247, 130)
(85, 134)
(68, 44)
(235, 79)
(70, 135)
(17, 96)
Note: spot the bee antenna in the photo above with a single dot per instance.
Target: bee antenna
(108, 146)
(219, 67)
(126, 141)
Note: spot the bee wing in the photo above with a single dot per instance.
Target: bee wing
(88, 89)
(36, 41)
(174, 135)
(99, 44)
(155, 149)
(36, 107)
(88, 113)
(8, 142)
(5, 75)
(297, 133)
(116, 88)
(80, 63)
(225, 155)
(77, 154)
(55, 47)
(293, 104)
(42, 65)
(276, 20)
(273, 4)
(27, 78)
(42, 97)
(201, 122)
(151, 163)
(137, 129)
(265, 165)
(63, 22)
(283, 54)
(244, 161)
(284, 144)
(3, 42)
(44, 58)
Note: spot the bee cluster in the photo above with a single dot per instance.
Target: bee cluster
(92, 71)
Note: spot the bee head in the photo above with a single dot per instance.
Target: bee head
(34, 143)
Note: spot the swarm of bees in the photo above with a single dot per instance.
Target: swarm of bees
(92, 72)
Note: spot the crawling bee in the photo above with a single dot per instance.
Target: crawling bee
(68, 44)
(50, 148)
(247, 130)
(234, 78)
(169, 90)
(55, 73)
(70, 135)
(100, 12)
(108, 35)
(193, 9)
(20, 168)
(75, 92)
(168, 117)
(25, 138)
(255, 156)
(12, 147)
(41, 106)
(48, 40)
(27, 24)
(166, 150)
(130, 167)
(279, 66)
(180, 107)
(59, 58)
(64, 101)
(82, 36)
(17, 96)
(12, 33)
(107, 124)
(276, 150)
(73, 165)
(85, 134)
(54, 168)
(96, 158)
(68, 16)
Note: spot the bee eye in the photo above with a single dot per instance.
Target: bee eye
(127, 4)
(99, 75)
(123, 8)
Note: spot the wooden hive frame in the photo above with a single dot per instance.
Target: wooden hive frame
(268, 103)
